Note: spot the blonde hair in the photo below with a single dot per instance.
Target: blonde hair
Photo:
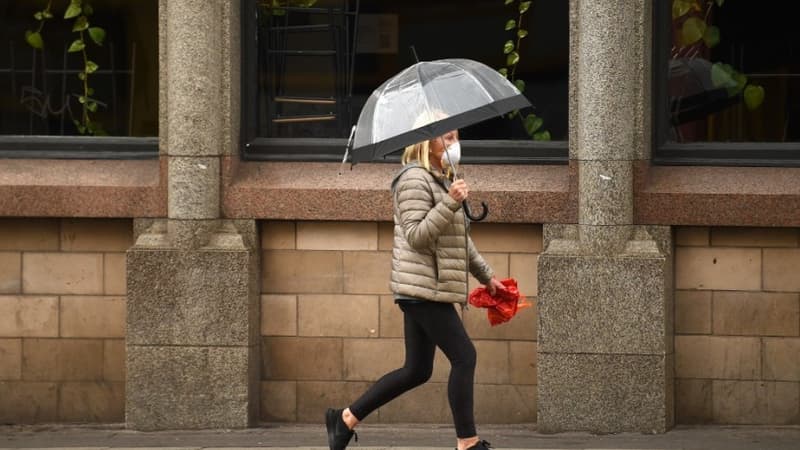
(420, 152)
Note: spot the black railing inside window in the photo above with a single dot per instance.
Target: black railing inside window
(29, 84)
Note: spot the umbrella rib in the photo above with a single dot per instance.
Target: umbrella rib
(477, 82)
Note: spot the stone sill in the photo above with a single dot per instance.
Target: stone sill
(315, 191)
(82, 188)
(732, 196)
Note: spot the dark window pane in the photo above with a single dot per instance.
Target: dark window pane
(308, 87)
(41, 90)
(733, 72)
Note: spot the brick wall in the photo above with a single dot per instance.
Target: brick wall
(62, 320)
(737, 325)
(330, 327)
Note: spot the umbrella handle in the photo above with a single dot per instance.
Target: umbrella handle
(480, 216)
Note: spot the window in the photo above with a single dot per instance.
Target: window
(310, 65)
(727, 83)
(78, 78)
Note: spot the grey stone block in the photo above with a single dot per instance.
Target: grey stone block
(603, 304)
(606, 193)
(604, 393)
(193, 188)
(190, 387)
(203, 297)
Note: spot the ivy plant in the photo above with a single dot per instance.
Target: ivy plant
(511, 49)
(79, 12)
(691, 19)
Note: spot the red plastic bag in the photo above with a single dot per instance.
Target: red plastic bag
(505, 303)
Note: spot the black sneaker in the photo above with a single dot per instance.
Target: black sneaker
(338, 433)
(481, 445)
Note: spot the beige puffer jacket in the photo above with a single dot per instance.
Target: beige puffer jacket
(429, 256)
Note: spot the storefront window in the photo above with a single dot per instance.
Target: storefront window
(314, 63)
(730, 87)
(77, 68)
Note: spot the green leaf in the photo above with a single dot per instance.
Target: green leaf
(541, 136)
(508, 2)
(91, 66)
(523, 6)
(741, 82)
(753, 96)
(73, 10)
(47, 14)
(34, 39)
(692, 31)
(680, 8)
(91, 106)
(76, 46)
(81, 128)
(720, 2)
(508, 47)
(522, 33)
(513, 114)
(90, 91)
(711, 36)
(39, 15)
(503, 72)
(512, 59)
(722, 76)
(532, 123)
(81, 23)
(87, 9)
(81, 99)
(97, 34)
(81, 76)
(520, 84)
(511, 24)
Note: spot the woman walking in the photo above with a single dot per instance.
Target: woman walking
(429, 275)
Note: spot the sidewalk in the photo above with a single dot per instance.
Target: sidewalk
(379, 437)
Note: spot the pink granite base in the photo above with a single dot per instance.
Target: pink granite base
(316, 191)
(735, 196)
(82, 188)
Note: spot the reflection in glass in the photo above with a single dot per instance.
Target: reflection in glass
(317, 67)
(734, 72)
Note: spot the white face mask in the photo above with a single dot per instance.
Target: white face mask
(452, 155)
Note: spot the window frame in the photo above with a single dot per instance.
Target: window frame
(259, 148)
(756, 153)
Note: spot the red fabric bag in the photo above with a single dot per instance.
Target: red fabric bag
(505, 303)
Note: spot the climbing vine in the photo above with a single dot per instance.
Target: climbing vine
(79, 12)
(511, 49)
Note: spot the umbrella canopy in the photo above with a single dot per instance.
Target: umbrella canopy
(427, 100)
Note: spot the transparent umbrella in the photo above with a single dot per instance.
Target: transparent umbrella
(428, 99)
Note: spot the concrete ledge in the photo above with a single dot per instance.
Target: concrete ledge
(698, 195)
(315, 191)
(82, 188)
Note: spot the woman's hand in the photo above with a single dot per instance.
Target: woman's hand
(459, 190)
(493, 285)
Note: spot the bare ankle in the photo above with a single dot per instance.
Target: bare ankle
(349, 419)
(464, 444)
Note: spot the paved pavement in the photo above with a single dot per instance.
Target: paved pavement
(400, 437)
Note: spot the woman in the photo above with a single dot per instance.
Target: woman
(430, 259)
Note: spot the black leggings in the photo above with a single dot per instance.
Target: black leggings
(429, 325)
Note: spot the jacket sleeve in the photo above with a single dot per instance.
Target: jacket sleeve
(422, 221)
(477, 265)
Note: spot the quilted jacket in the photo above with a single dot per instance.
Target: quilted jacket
(431, 246)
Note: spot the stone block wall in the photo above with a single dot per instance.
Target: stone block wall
(62, 319)
(330, 327)
(737, 325)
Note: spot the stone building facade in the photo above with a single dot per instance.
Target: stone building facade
(200, 290)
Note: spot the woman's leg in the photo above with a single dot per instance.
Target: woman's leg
(445, 329)
(417, 370)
